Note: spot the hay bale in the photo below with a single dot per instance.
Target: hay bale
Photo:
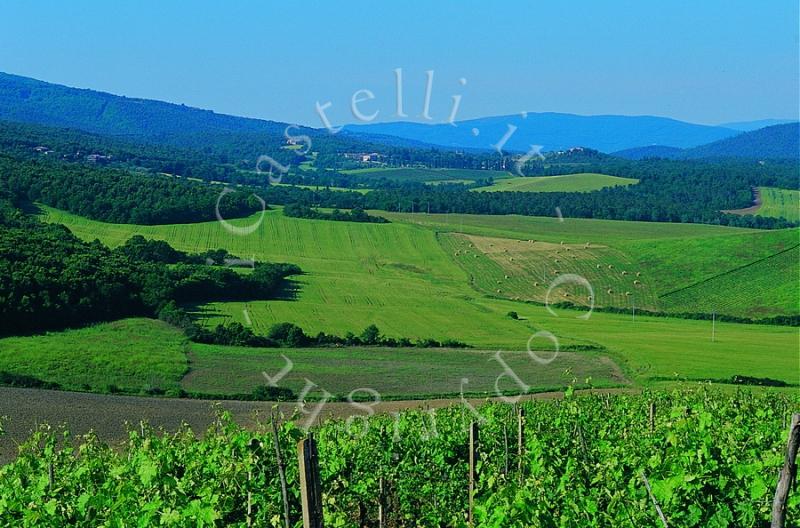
(610, 266)
(624, 272)
(627, 293)
(498, 290)
(637, 282)
(610, 291)
(535, 283)
(638, 273)
(562, 242)
(599, 266)
(506, 276)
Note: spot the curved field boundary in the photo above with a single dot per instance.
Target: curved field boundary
(728, 272)
(753, 209)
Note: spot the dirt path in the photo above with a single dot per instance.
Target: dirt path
(753, 209)
(107, 415)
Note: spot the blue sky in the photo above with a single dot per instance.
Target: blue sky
(708, 62)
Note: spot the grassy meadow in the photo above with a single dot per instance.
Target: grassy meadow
(425, 175)
(132, 354)
(780, 203)
(404, 277)
(583, 182)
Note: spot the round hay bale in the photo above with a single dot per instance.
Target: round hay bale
(627, 293)
(535, 283)
(610, 266)
(598, 266)
(506, 276)
(498, 290)
(637, 282)
(624, 272)
(638, 273)
(610, 291)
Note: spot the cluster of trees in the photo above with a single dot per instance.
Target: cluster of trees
(49, 279)
(357, 214)
(114, 195)
(292, 336)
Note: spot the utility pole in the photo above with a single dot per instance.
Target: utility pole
(713, 326)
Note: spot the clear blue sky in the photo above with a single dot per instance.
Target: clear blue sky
(709, 62)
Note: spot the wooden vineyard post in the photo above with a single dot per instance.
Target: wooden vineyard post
(381, 505)
(310, 488)
(520, 441)
(652, 416)
(473, 461)
(505, 450)
(281, 471)
(788, 474)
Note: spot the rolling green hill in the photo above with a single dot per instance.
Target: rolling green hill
(779, 203)
(133, 355)
(400, 277)
(583, 182)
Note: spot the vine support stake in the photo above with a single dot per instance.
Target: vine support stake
(310, 488)
(652, 416)
(473, 461)
(505, 450)
(520, 440)
(788, 474)
(653, 499)
(381, 505)
(281, 470)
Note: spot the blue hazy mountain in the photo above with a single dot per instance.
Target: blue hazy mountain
(749, 126)
(772, 142)
(652, 151)
(555, 131)
(31, 101)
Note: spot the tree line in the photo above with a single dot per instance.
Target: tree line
(50, 279)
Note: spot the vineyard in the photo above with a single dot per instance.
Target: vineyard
(696, 457)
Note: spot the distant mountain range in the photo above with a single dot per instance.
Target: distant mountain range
(772, 142)
(749, 126)
(554, 131)
(32, 101)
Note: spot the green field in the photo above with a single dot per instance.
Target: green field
(779, 203)
(133, 354)
(227, 370)
(400, 277)
(323, 188)
(423, 175)
(648, 261)
(583, 182)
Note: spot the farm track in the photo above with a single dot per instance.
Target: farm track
(25, 409)
(753, 209)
